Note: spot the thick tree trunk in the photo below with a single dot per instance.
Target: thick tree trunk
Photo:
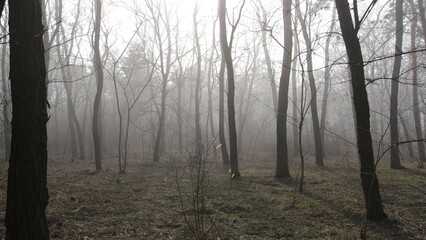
(370, 183)
(226, 52)
(282, 169)
(394, 131)
(313, 101)
(99, 86)
(27, 194)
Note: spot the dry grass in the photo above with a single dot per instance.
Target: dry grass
(144, 203)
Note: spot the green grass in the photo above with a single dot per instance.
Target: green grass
(145, 203)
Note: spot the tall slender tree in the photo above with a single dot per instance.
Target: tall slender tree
(416, 108)
(370, 183)
(226, 54)
(97, 62)
(394, 129)
(198, 140)
(282, 169)
(27, 194)
(319, 160)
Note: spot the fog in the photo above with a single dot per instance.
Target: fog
(236, 91)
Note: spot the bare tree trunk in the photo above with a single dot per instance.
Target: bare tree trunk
(5, 99)
(271, 74)
(282, 169)
(407, 136)
(314, 109)
(295, 115)
(165, 65)
(422, 18)
(99, 85)
(226, 51)
(370, 183)
(27, 194)
(327, 84)
(198, 140)
(394, 132)
(414, 66)
(222, 139)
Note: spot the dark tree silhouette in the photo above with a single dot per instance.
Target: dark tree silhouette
(99, 86)
(370, 183)
(27, 194)
(282, 170)
(226, 52)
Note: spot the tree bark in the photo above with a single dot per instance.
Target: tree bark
(5, 99)
(394, 131)
(271, 74)
(198, 140)
(319, 160)
(327, 84)
(99, 86)
(226, 52)
(222, 139)
(416, 109)
(27, 194)
(282, 169)
(370, 183)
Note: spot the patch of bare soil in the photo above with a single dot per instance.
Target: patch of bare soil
(145, 203)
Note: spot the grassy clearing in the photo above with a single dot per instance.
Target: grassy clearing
(145, 204)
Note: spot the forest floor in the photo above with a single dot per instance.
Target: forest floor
(145, 203)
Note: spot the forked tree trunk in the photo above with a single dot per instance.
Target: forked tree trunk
(226, 52)
(370, 183)
(27, 194)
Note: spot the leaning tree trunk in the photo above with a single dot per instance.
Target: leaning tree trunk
(394, 131)
(268, 61)
(319, 160)
(370, 183)
(226, 52)
(282, 169)
(99, 86)
(27, 194)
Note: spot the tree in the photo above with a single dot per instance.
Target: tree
(314, 109)
(198, 140)
(27, 194)
(165, 66)
(370, 183)
(282, 170)
(327, 83)
(5, 98)
(394, 131)
(416, 108)
(226, 54)
(97, 62)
